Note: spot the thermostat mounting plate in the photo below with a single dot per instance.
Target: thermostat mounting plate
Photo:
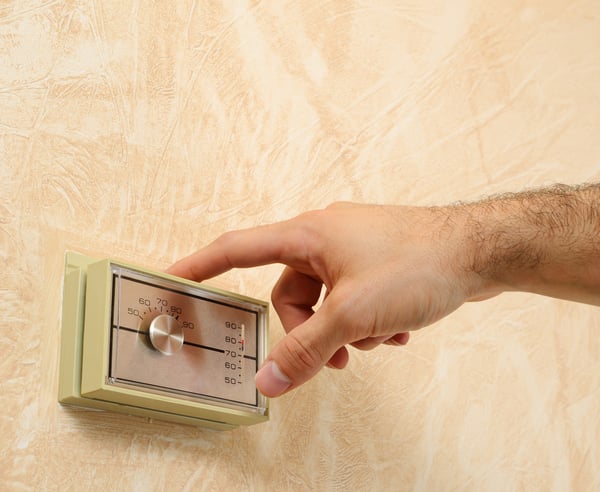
(147, 343)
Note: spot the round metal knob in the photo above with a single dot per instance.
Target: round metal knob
(166, 334)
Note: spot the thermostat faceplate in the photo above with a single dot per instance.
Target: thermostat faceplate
(147, 343)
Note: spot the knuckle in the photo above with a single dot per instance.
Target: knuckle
(283, 290)
(278, 297)
(301, 356)
(307, 236)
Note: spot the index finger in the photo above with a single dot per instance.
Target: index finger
(273, 243)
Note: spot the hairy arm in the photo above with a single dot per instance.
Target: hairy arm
(545, 242)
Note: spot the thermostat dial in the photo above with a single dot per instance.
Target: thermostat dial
(166, 334)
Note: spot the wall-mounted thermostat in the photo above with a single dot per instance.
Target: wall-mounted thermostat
(147, 343)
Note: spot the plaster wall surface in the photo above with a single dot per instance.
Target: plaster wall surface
(143, 130)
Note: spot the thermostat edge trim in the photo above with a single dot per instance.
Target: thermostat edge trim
(95, 361)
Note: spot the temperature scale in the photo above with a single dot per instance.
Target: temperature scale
(147, 343)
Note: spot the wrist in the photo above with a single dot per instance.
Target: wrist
(545, 242)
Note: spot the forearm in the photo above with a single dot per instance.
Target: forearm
(545, 242)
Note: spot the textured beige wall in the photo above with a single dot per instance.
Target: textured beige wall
(142, 131)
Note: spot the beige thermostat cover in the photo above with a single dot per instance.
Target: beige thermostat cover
(118, 325)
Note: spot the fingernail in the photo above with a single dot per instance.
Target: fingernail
(270, 381)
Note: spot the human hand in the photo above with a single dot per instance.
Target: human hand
(387, 270)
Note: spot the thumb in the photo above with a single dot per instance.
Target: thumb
(298, 356)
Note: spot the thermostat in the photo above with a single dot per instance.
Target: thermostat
(147, 343)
